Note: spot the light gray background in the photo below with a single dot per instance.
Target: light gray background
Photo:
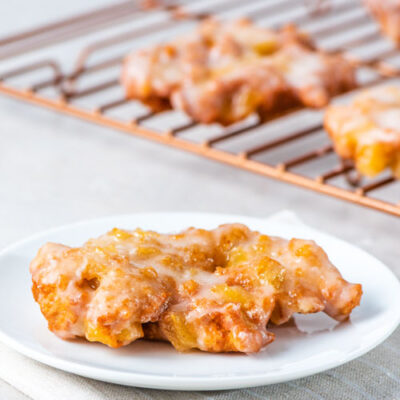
(56, 170)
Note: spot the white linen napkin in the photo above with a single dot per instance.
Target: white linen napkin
(40, 382)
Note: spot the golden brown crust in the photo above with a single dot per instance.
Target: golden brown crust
(211, 290)
(368, 130)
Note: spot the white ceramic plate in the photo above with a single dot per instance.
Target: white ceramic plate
(313, 344)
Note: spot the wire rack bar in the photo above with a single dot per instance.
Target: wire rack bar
(307, 157)
(376, 185)
(112, 104)
(183, 128)
(341, 8)
(69, 22)
(283, 140)
(335, 172)
(32, 67)
(231, 134)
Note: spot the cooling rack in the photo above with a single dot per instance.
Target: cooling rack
(342, 26)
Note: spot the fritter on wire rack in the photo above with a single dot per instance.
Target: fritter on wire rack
(387, 12)
(224, 72)
(368, 130)
(211, 290)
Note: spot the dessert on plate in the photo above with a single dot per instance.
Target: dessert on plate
(225, 71)
(213, 290)
(367, 131)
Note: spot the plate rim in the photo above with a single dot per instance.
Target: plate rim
(187, 383)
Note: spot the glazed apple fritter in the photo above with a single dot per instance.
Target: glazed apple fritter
(211, 290)
(224, 72)
(368, 130)
(387, 12)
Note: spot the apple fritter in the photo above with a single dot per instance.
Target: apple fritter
(210, 290)
(224, 72)
(368, 130)
(387, 12)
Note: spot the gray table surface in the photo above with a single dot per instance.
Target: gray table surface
(56, 170)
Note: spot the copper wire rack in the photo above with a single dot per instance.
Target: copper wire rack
(30, 70)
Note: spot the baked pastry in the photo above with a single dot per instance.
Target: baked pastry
(368, 130)
(211, 290)
(224, 72)
(387, 12)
